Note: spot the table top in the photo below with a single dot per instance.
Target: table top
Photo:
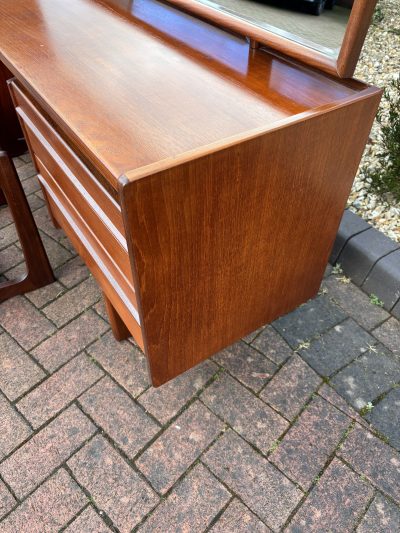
(135, 83)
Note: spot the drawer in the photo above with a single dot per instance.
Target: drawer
(97, 207)
(101, 196)
(87, 244)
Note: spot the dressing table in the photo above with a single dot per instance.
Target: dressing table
(200, 165)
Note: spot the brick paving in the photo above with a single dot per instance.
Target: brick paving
(294, 428)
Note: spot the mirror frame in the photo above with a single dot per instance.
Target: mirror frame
(342, 67)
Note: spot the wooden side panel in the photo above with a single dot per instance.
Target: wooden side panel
(230, 241)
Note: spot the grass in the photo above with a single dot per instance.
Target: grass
(375, 300)
(386, 179)
(366, 409)
(378, 15)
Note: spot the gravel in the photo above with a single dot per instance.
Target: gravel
(378, 65)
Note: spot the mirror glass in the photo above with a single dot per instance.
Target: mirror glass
(317, 24)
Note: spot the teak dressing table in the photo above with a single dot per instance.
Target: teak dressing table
(201, 179)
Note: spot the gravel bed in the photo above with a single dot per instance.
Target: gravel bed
(379, 64)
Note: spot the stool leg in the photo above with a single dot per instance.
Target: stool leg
(39, 272)
(120, 331)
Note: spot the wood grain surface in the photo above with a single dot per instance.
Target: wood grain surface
(233, 239)
(128, 93)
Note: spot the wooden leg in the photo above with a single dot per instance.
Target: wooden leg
(2, 198)
(39, 272)
(49, 209)
(120, 331)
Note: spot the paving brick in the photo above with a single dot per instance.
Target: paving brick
(72, 272)
(308, 444)
(124, 421)
(114, 486)
(44, 295)
(374, 459)
(389, 334)
(265, 490)
(386, 417)
(252, 336)
(166, 401)
(70, 340)
(101, 310)
(330, 395)
(73, 302)
(56, 253)
(35, 201)
(271, 344)
(30, 185)
(28, 466)
(7, 501)
(362, 252)
(18, 272)
(238, 518)
(123, 361)
(48, 509)
(27, 170)
(179, 446)
(247, 365)
(24, 322)
(6, 217)
(10, 257)
(396, 310)
(8, 235)
(88, 522)
(191, 506)
(25, 158)
(382, 516)
(291, 387)
(13, 429)
(384, 280)
(44, 222)
(355, 303)
(368, 377)
(59, 390)
(18, 373)
(248, 415)
(307, 321)
(18, 162)
(335, 503)
(338, 347)
(350, 225)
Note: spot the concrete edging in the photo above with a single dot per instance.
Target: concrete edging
(370, 259)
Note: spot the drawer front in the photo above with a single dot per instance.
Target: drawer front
(116, 287)
(26, 108)
(100, 211)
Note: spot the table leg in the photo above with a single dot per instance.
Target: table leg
(120, 331)
(39, 272)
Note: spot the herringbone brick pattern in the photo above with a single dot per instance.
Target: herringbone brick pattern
(294, 428)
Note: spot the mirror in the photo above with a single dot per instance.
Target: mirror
(327, 34)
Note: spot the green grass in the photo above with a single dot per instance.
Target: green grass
(375, 300)
(386, 179)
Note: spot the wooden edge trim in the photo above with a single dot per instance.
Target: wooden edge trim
(209, 149)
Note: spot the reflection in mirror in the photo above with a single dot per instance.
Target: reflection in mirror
(295, 20)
